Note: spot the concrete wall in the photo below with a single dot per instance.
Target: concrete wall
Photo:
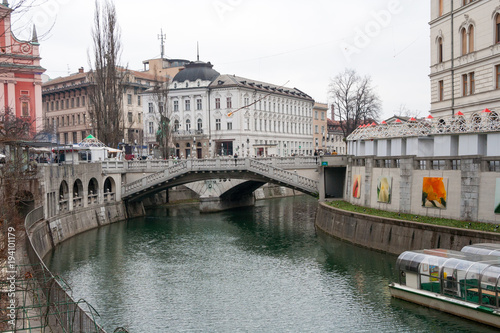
(470, 186)
(47, 234)
(395, 236)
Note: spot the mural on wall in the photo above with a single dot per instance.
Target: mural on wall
(384, 189)
(434, 192)
(356, 187)
(497, 197)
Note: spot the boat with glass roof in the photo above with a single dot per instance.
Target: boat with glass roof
(466, 284)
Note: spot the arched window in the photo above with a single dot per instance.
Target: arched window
(188, 125)
(497, 28)
(440, 50)
(199, 124)
(463, 33)
(176, 125)
(471, 39)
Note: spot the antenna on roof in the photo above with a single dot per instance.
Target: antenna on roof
(162, 37)
(197, 52)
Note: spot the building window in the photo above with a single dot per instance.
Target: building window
(176, 125)
(176, 105)
(78, 119)
(217, 103)
(150, 107)
(188, 125)
(464, 85)
(25, 109)
(139, 117)
(72, 102)
(322, 116)
(497, 76)
(440, 50)
(464, 41)
(187, 105)
(441, 90)
(471, 39)
(229, 126)
(246, 102)
(83, 100)
(217, 124)
(497, 26)
(139, 100)
(316, 129)
(472, 83)
(198, 104)
(160, 107)
(150, 127)
(228, 102)
(75, 139)
(316, 115)
(130, 117)
(199, 124)
(129, 99)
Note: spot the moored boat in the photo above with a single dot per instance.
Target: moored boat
(460, 283)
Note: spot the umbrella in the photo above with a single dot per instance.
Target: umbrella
(430, 117)
(459, 113)
(486, 110)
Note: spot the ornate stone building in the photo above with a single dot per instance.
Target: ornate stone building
(213, 114)
(20, 72)
(465, 57)
(66, 106)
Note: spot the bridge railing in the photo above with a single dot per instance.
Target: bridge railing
(236, 164)
(297, 162)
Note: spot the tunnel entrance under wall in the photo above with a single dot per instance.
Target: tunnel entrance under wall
(334, 182)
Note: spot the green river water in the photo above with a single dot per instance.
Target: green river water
(256, 269)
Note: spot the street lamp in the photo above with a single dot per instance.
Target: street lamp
(194, 147)
(248, 146)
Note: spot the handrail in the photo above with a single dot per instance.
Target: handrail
(66, 313)
(238, 164)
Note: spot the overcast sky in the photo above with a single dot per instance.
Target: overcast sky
(306, 43)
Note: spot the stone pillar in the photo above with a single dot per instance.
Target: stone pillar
(369, 161)
(405, 179)
(469, 202)
(321, 185)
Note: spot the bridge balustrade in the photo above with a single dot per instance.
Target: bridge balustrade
(258, 166)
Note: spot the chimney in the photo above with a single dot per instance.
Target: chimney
(80, 70)
(333, 112)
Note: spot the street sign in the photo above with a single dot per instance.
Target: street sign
(324, 163)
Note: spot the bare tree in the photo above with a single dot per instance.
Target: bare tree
(403, 111)
(163, 116)
(354, 100)
(107, 77)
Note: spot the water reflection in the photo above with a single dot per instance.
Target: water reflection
(263, 268)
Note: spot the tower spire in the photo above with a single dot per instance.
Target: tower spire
(162, 37)
(197, 52)
(34, 38)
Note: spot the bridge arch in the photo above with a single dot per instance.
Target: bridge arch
(92, 191)
(255, 173)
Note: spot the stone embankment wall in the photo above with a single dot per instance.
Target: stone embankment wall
(395, 236)
(46, 234)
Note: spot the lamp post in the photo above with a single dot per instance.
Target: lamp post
(194, 147)
(248, 147)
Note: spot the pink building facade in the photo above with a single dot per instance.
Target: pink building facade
(20, 73)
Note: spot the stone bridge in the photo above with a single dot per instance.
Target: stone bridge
(299, 173)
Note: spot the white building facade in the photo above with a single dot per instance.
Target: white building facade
(465, 57)
(226, 115)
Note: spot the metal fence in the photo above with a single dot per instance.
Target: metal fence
(60, 312)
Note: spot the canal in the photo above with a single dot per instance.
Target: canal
(256, 269)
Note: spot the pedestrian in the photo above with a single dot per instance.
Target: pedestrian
(316, 156)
